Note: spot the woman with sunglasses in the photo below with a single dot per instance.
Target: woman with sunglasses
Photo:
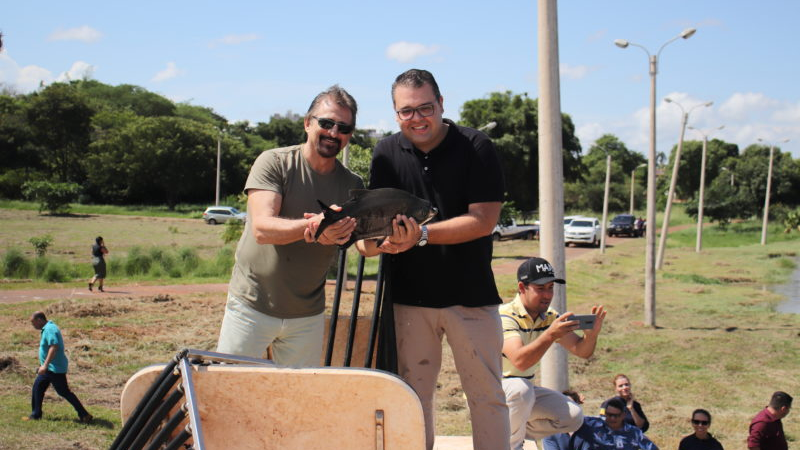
(701, 439)
(634, 414)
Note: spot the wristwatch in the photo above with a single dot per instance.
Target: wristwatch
(423, 239)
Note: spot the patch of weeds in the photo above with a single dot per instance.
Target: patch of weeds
(692, 278)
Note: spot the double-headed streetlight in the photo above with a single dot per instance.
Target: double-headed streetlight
(633, 179)
(662, 243)
(766, 196)
(701, 195)
(650, 267)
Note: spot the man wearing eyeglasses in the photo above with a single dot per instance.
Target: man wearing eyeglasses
(610, 433)
(277, 290)
(440, 276)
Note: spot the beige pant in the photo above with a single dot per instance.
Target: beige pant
(536, 412)
(476, 339)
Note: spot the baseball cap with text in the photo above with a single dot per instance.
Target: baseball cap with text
(537, 271)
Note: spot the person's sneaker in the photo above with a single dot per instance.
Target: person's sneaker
(90, 286)
(100, 289)
(28, 418)
(86, 419)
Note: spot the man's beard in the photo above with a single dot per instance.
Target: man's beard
(328, 147)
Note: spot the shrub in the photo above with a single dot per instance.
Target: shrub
(56, 272)
(53, 197)
(41, 243)
(16, 265)
(137, 263)
(189, 259)
(233, 231)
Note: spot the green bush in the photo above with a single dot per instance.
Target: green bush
(41, 244)
(53, 197)
(233, 231)
(56, 272)
(16, 265)
(189, 259)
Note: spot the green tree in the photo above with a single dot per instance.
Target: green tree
(282, 130)
(125, 97)
(60, 118)
(688, 184)
(516, 138)
(52, 197)
(751, 179)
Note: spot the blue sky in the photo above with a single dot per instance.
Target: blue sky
(249, 60)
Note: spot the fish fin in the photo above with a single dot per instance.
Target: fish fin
(326, 221)
(380, 240)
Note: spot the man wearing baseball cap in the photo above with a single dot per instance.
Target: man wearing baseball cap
(530, 327)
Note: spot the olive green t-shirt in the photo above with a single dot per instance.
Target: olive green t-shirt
(288, 281)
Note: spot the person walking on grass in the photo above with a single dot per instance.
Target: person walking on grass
(766, 428)
(52, 370)
(99, 251)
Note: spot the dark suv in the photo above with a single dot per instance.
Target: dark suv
(624, 224)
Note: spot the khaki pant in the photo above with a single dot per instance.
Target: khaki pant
(536, 412)
(476, 339)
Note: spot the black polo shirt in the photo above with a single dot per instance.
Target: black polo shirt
(463, 169)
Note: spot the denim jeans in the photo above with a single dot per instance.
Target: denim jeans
(59, 382)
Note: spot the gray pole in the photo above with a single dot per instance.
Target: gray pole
(650, 242)
(766, 197)
(650, 245)
(551, 177)
(605, 205)
(701, 197)
(633, 178)
(219, 153)
(668, 209)
(673, 182)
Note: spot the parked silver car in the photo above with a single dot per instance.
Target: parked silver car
(221, 214)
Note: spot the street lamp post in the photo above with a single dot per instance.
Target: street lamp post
(650, 267)
(729, 170)
(605, 204)
(701, 195)
(769, 185)
(633, 179)
(662, 243)
(219, 159)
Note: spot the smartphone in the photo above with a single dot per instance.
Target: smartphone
(585, 321)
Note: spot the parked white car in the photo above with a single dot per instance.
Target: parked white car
(583, 230)
(221, 214)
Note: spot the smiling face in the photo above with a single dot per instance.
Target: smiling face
(700, 423)
(424, 132)
(327, 143)
(536, 297)
(623, 387)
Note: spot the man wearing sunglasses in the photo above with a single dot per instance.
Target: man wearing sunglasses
(610, 433)
(277, 290)
(441, 281)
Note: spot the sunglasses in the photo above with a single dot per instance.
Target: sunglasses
(425, 110)
(700, 422)
(613, 416)
(328, 124)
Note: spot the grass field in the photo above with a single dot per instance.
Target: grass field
(719, 343)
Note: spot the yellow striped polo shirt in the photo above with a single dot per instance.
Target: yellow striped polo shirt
(518, 323)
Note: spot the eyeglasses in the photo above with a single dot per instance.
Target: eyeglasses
(327, 124)
(701, 422)
(425, 110)
(613, 415)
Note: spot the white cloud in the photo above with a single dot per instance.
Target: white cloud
(79, 71)
(575, 72)
(23, 79)
(598, 35)
(740, 105)
(406, 52)
(234, 39)
(85, 33)
(588, 133)
(171, 71)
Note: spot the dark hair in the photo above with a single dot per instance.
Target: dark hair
(616, 402)
(416, 78)
(38, 315)
(98, 239)
(573, 395)
(780, 399)
(339, 96)
(702, 411)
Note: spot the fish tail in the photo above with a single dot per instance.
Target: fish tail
(326, 211)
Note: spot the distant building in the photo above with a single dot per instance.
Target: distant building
(289, 115)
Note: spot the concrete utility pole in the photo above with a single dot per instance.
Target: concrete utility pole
(605, 204)
(701, 196)
(551, 176)
(219, 157)
(769, 186)
(662, 243)
(650, 245)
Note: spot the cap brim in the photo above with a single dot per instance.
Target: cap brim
(546, 280)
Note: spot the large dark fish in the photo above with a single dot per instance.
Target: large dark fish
(374, 210)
